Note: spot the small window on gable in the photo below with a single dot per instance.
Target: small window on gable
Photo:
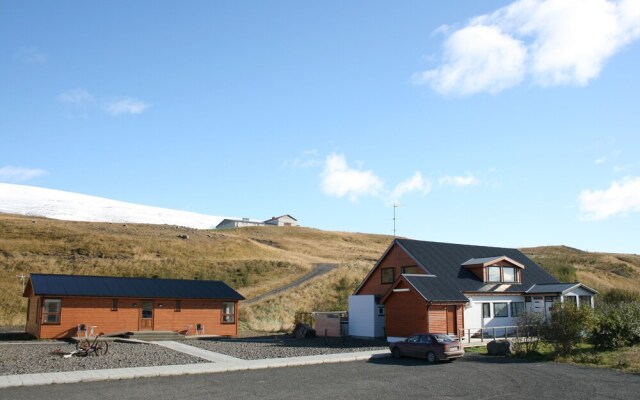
(410, 270)
(387, 275)
(493, 274)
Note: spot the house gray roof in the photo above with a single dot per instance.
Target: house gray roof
(445, 261)
(429, 288)
(110, 286)
(556, 288)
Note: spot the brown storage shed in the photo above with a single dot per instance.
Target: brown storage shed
(59, 304)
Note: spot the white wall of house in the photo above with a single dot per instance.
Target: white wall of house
(473, 317)
(284, 220)
(366, 317)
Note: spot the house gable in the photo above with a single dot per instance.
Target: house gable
(394, 262)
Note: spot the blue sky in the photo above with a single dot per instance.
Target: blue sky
(495, 122)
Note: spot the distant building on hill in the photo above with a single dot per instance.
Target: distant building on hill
(283, 220)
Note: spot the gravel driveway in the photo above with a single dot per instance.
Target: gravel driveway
(37, 357)
(256, 349)
(33, 357)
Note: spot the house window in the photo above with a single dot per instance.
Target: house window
(585, 301)
(51, 312)
(508, 274)
(517, 308)
(571, 300)
(500, 310)
(178, 307)
(486, 310)
(493, 274)
(387, 275)
(114, 305)
(228, 313)
(410, 270)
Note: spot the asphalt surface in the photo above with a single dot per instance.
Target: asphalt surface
(474, 377)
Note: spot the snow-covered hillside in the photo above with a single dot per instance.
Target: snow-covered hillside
(56, 204)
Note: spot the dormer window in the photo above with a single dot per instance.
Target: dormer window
(499, 269)
(493, 273)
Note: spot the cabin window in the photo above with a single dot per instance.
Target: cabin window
(585, 301)
(51, 311)
(387, 275)
(228, 313)
(486, 310)
(508, 274)
(114, 305)
(517, 308)
(410, 270)
(500, 310)
(178, 307)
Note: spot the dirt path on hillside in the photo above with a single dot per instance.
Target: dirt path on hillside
(318, 270)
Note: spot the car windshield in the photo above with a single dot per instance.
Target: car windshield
(443, 338)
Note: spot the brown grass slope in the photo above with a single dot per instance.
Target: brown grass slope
(252, 260)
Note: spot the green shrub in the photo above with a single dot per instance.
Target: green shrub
(568, 326)
(616, 325)
(616, 296)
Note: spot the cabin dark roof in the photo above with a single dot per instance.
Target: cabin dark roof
(110, 286)
(445, 261)
(429, 288)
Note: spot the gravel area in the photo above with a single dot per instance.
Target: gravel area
(34, 357)
(261, 348)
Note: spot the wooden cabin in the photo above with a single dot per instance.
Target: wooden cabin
(60, 305)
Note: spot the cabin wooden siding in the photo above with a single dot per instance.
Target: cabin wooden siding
(396, 258)
(97, 311)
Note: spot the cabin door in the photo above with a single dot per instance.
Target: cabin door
(146, 316)
(451, 320)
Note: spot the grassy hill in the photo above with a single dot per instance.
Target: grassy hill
(252, 260)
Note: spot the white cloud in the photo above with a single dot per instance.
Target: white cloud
(459, 181)
(414, 184)
(340, 180)
(18, 174)
(552, 42)
(306, 159)
(126, 106)
(619, 199)
(79, 98)
(31, 55)
(477, 59)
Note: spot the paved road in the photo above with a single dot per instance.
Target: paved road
(318, 269)
(475, 377)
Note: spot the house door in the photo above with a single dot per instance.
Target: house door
(146, 316)
(451, 320)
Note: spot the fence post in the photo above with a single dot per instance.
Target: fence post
(494, 333)
(325, 337)
(469, 337)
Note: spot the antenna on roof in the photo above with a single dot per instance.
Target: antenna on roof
(23, 278)
(395, 205)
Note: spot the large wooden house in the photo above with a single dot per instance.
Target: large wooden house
(419, 286)
(59, 304)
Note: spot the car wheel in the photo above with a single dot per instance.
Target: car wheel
(396, 353)
(431, 357)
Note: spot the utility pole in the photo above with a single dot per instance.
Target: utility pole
(23, 278)
(395, 205)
